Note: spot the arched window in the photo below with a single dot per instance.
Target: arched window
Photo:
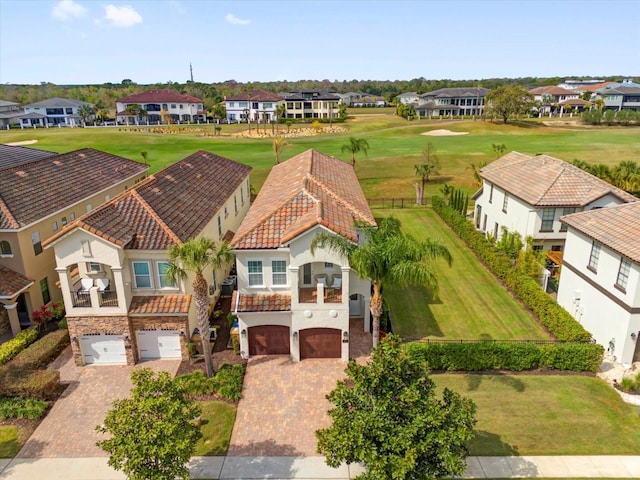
(5, 248)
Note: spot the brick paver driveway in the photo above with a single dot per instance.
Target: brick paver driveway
(69, 428)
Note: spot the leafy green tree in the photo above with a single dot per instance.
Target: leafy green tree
(387, 415)
(354, 146)
(152, 434)
(510, 243)
(281, 111)
(342, 111)
(387, 256)
(529, 261)
(195, 255)
(218, 111)
(430, 166)
(509, 101)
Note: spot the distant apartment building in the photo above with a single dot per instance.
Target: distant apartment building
(159, 106)
(256, 105)
(462, 101)
(310, 104)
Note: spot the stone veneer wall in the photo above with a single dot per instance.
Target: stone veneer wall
(181, 324)
(79, 326)
(5, 326)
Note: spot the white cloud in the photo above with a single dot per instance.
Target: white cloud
(232, 19)
(67, 10)
(124, 16)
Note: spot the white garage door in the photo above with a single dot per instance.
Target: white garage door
(159, 344)
(103, 349)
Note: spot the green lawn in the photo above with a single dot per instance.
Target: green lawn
(216, 425)
(471, 304)
(9, 442)
(547, 415)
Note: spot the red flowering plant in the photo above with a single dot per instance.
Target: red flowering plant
(47, 313)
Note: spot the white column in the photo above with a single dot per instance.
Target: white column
(320, 288)
(345, 286)
(367, 313)
(293, 282)
(118, 281)
(14, 320)
(65, 287)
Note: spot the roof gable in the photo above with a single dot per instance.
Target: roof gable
(255, 95)
(159, 96)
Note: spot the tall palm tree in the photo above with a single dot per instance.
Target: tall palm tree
(195, 255)
(354, 146)
(626, 175)
(430, 166)
(387, 256)
(279, 144)
(86, 113)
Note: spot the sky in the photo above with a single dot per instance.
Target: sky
(99, 41)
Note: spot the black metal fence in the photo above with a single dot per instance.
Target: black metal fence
(394, 202)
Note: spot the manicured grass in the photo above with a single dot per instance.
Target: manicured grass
(9, 446)
(216, 425)
(471, 304)
(547, 415)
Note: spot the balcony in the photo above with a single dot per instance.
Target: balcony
(108, 298)
(310, 295)
(81, 298)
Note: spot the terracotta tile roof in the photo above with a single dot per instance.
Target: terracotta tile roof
(11, 155)
(274, 302)
(616, 227)
(256, 95)
(542, 180)
(160, 304)
(593, 88)
(552, 90)
(12, 282)
(169, 207)
(32, 191)
(307, 190)
(159, 96)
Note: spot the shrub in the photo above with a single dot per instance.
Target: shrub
(42, 352)
(22, 408)
(628, 384)
(227, 383)
(196, 383)
(11, 348)
(62, 324)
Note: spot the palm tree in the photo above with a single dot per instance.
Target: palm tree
(86, 113)
(279, 144)
(430, 166)
(626, 175)
(499, 149)
(354, 146)
(387, 256)
(195, 255)
(475, 171)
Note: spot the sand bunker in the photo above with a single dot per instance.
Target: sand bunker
(443, 133)
(24, 142)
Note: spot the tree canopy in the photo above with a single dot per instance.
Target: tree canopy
(509, 101)
(354, 146)
(388, 416)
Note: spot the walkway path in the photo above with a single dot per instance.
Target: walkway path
(310, 468)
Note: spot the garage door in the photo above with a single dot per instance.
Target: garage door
(269, 340)
(103, 349)
(159, 344)
(320, 343)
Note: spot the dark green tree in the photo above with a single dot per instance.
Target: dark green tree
(388, 416)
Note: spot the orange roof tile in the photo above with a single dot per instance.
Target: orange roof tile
(12, 282)
(161, 304)
(274, 302)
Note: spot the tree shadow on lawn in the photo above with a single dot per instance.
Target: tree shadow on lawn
(413, 303)
(475, 379)
(487, 443)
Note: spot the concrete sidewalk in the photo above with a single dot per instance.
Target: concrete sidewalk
(314, 468)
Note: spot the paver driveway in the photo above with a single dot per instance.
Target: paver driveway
(69, 428)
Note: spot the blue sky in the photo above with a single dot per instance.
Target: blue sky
(97, 41)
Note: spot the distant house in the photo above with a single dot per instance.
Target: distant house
(462, 101)
(257, 105)
(407, 98)
(580, 85)
(620, 96)
(10, 113)
(53, 112)
(550, 97)
(528, 194)
(159, 106)
(121, 307)
(312, 104)
(600, 277)
(41, 193)
(359, 99)
(291, 301)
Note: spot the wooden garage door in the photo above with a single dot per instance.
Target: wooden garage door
(269, 340)
(320, 343)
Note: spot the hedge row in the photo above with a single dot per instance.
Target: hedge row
(11, 348)
(42, 352)
(557, 320)
(470, 357)
(22, 408)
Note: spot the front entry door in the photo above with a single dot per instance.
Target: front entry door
(636, 353)
(23, 313)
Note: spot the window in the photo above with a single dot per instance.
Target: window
(484, 223)
(491, 194)
(566, 211)
(248, 189)
(505, 202)
(241, 196)
(64, 221)
(496, 229)
(44, 288)
(255, 273)
(5, 248)
(69, 111)
(54, 226)
(107, 198)
(37, 244)
(86, 248)
(623, 274)
(328, 265)
(548, 215)
(267, 105)
(72, 216)
(89, 207)
(279, 272)
(235, 204)
(163, 280)
(242, 104)
(181, 106)
(226, 212)
(173, 105)
(142, 274)
(219, 226)
(94, 267)
(594, 256)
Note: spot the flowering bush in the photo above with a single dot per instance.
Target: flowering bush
(46, 313)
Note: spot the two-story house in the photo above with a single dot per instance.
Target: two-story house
(53, 112)
(552, 99)
(407, 98)
(289, 300)
(159, 106)
(528, 194)
(38, 198)
(465, 101)
(10, 113)
(112, 262)
(600, 277)
(619, 96)
(255, 105)
(312, 104)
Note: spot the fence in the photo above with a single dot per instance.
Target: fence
(395, 202)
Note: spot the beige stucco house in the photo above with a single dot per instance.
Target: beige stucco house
(121, 307)
(290, 300)
(41, 193)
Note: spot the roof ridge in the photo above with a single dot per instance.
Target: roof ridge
(155, 216)
(337, 197)
(7, 213)
(555, 180)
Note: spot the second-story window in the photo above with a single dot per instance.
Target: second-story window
(94, 267)
(142, 274)
(54, 226)
(235, 204)
(254, 268)
(37, 244)
(491, 194)
(219, 226)
(505, 202)
(279, 272)
(548, 215)
(594, 257)
(163, 279)
(623, 274)
(5, 248)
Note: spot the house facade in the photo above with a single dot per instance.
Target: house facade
(528, 194)
(121, 306)
(256, 105)
(407, 98)
(464, 101)
(38, 199)
(600, 277)
(10, 113)
(620, 96)
(311, 104)
(159, 106)
(290, 300)
(53, 112)
(550, 98)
